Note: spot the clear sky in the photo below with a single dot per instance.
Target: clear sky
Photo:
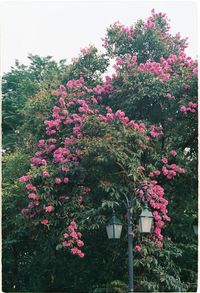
(61, 28)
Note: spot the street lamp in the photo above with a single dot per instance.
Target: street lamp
(114, 228)
(146, 220)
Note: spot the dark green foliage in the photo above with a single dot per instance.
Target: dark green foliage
(21, 84)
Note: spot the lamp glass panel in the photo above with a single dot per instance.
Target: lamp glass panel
(117, 230)
(109, 229)
(114, 231)
(146, 224)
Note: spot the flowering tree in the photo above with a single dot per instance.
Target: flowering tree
(91, 152)
(77, 133)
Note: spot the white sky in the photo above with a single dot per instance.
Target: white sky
(61, 28)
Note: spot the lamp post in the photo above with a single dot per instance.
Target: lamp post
(114, 228)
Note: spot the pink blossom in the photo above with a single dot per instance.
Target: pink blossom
(80, 243)
(77, 251)
(45, 174)
(33, 196)
(30, 187)
(180, 170)
(151, 174)
(24, 178)
(31, 204)
(25, 211)
(119, 61)
(149, 24)
(45, 222)
(79, 234)
(173, 166)
(141, 168)
(154, 134)
(73, 224)
(159, 224)
(119, 114)
(183, 109)
(173, 153)
(66, 179)
(165, 170)
(192, 105)
(137, 248)
(170, 176)
(80, 199)
(156, 172)
(36, 202)
(62, 102)
(172, 173)
(65, 112)
(58, 180)
(165, 160)
(74, 235)
(157, 231)
(41, 143)
(166, 218)
(169, 96)
(195, 71)
(134, 59)
(66, 235)
(66, 244)
(49, 209)
(65, 169)
(69, 84)
(159, 244)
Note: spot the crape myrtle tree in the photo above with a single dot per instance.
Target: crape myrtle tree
(156, 81)
(129, 135)
(88, 158)
(19, 142)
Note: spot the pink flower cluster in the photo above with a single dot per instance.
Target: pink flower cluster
(30, 187)
(121, 28)
(87, 50)
(120, 115)
(154, 173)
(73, 239)
(156, 131)
(49, 209)
(173, 153)
(24, 178)
(105, 88)
(191, 107)
(33, 196)
(45, 222)
(170, 96)
(150, 23)
(170, 171)
(137, 248)
(120, 31)
(195, 71)
(155, 197)
(162, 69)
